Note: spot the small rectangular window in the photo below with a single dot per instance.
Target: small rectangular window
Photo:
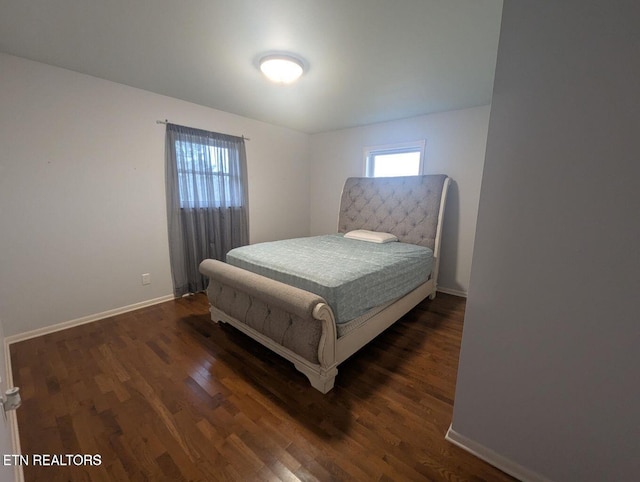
(203, 174)
(392, 160)
(205, 178)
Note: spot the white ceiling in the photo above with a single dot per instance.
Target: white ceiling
(368, 60)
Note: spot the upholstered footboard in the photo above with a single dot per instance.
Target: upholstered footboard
(292, 322)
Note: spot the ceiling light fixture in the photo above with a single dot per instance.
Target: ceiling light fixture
(282, 69)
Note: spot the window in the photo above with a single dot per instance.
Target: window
(392, 160)
(204, 176)
(206, 182)
(206, 168)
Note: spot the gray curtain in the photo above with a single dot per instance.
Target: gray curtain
(207, 212)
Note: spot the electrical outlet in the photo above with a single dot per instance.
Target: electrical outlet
(146, 279)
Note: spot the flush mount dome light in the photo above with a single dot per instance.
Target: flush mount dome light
(282, 69)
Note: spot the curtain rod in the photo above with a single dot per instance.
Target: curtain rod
(167, 122)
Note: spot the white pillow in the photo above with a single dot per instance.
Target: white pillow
(371, 236)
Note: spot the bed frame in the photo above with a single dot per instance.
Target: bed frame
(299, 325)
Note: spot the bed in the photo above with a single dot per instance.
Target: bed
(283, 295)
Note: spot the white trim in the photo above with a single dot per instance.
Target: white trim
(449, 291)
(499, 461)
(85, 319)
(12, 419)
(394, 148)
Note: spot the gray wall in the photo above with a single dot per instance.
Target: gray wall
(549, 373)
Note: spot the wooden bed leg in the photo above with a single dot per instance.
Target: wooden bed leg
(432, 296)
(322, 381)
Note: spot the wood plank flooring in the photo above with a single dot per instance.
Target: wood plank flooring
(164, 394)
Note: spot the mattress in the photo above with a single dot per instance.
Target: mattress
(353, 276)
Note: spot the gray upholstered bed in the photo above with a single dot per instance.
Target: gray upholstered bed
(301, 325)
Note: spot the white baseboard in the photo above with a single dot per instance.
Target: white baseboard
(85, 319)
(499, 461)
(449, 291)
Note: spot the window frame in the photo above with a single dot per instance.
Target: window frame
(222, 173)
(370, 152)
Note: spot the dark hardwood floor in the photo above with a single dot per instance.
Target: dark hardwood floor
(164, 394)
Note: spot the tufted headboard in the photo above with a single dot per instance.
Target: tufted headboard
(407, 207)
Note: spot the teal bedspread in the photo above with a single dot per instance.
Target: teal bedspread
(352, 276)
